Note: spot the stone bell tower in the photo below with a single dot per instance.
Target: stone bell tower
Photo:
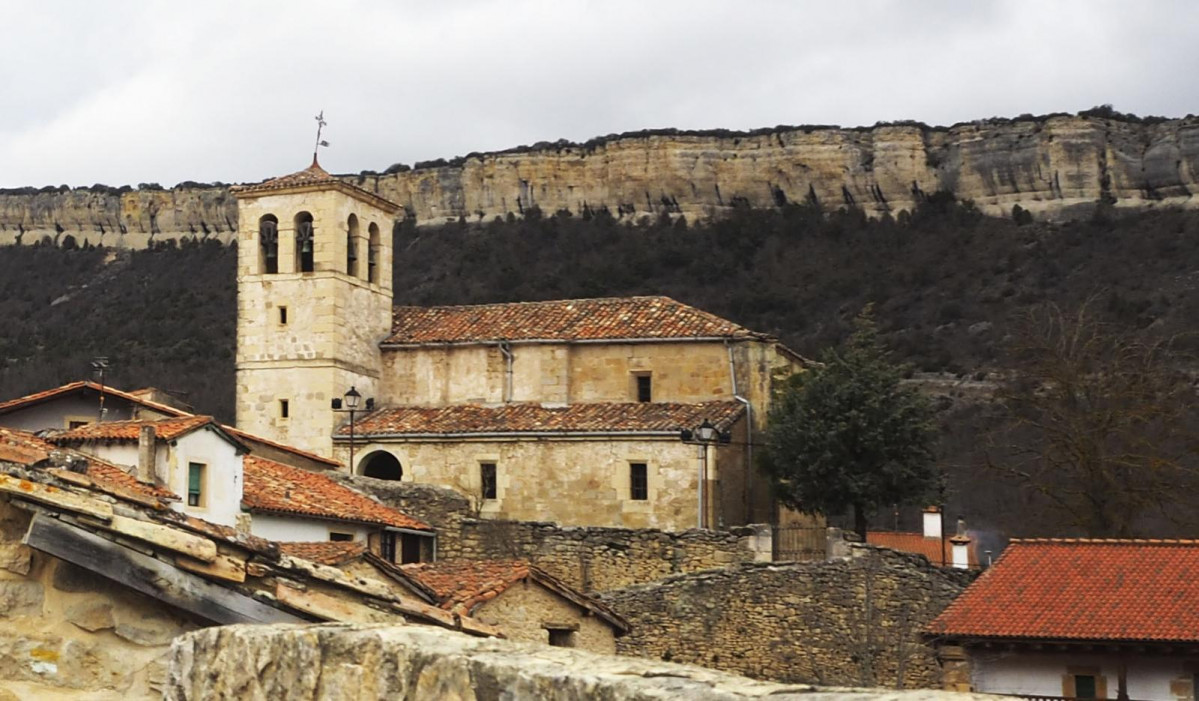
(314, 300)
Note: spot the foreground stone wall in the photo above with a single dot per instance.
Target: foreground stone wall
(589, 558)
(1054, 167)
(68, 633)
(377, 662)
(850, 621)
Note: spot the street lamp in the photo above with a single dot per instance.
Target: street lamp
(351, 400)
(703, 435)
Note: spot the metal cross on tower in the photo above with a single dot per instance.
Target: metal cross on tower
(320, 124)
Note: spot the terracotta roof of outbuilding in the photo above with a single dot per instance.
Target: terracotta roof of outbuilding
(277, 488)
(917, 543)
(325, 552)
(636, 417)
(1079, 589)
(29, 450)
(164, 429)
(561, 320)
(47, 395)
(461, 585)
(311, 177)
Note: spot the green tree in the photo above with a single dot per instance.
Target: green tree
(850, 435)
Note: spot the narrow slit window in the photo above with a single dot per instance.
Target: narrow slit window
(488, 475)
(339, 537)
(195, 484)
(645, 388)
(638, 481)
(283, 316)
(284, 408)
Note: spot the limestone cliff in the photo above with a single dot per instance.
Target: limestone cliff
(1055, 167)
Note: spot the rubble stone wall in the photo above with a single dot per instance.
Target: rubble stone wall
(588, 558)
(851, 621)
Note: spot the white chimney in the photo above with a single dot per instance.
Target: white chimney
(932, 522)
(147, 446)
(961, 552)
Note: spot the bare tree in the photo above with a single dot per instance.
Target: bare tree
(1098, 422)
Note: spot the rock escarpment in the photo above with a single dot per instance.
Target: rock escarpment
(408, 662)
(1055, 167)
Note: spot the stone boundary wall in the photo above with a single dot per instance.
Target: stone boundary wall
(853, 621)
(589, 558)
(414, 662)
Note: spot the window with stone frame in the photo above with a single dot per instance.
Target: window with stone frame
(305, 245)
(638, 481)
(489, 480)
(645, 386)
(268, 244)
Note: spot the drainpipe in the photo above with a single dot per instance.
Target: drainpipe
(749, 431)
(506, 350)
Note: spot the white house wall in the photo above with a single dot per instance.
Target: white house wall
(1040, 674)
(298, 530)
(223, 482)
(55, 413)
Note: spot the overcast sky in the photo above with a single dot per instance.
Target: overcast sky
(130, 92)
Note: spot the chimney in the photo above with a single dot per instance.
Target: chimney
(961, 546)
(147, 445)
(932, 522)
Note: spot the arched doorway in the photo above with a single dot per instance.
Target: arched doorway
(382, 465)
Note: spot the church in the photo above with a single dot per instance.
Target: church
(636, 412)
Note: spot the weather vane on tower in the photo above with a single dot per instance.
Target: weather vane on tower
(320, 124)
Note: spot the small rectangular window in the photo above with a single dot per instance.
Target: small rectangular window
(561, 637)
(1084, 686)
(487, 473)
(283, 316)
(645, 388)
(195, 484)
(638, 481)
(284, 408)
(387, 546)
(337, 537)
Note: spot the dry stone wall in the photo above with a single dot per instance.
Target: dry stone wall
(359, 662)
(1052, 166)
(854, 621)
(589, 558)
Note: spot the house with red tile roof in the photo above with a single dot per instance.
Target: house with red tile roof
(958, 550)
(578, 411)
(1077, 618)
(520, 599)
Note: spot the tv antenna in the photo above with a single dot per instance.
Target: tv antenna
(320, 124)
(99, 365)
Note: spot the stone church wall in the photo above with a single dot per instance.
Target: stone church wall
(851, 621)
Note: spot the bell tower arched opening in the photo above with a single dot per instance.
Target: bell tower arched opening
(372, 254)
(352, 246)
(268, 244)
(381, 465)
(304, 243)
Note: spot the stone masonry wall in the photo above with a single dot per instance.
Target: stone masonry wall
(851, 621)
(589, 558)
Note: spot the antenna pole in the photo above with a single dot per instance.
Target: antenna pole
(99, 365)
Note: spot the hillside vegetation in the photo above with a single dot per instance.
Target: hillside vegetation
(948, 285)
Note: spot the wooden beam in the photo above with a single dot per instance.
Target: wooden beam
(149, 575)
(55, 496)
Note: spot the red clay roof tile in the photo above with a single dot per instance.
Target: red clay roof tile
(561, 320)
(274, 487)
(323, 552)
(1078, 589)
(46, 395)
(532, 418)
(28, 450)
(164, 429)
(313, 175)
